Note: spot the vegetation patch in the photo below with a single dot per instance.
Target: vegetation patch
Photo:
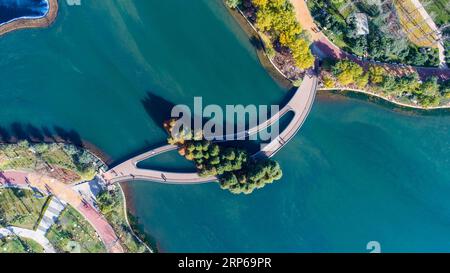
(415, 26)
(15, 244)
(235, 169)
(20, 208)
(385, 41)
(282, 36)
(72, 233)
(408, 88)
(111, 203)
(64, 162)
(439, 10)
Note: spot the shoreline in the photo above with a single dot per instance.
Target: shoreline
(394, 102)
(123, 191)
(249, 29)
(32, 22)
(70, 196)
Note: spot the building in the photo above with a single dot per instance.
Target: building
(362, 23)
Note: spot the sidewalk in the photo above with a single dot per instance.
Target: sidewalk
(51, 214)
(29, 234)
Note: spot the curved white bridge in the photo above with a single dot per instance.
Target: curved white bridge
(301, 104)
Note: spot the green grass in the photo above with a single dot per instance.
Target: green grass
(439, 10)
(20, 208)
(112, 206)
(43, 157)
(72, 233)
(14, 244)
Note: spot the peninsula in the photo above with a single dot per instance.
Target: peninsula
(31, 22)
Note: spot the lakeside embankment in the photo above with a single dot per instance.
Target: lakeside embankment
(385, 98)
(256, 40)
(23, 23)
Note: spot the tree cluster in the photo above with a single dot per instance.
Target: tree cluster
(277, 18)
(427, 93)
(236, 171)
(380, 44)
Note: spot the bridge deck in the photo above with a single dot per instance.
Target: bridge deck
(300, 104)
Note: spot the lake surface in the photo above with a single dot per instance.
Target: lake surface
(106, 71)
(15, 9)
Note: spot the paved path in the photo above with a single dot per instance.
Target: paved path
(300, 104)
(324, 48)
(51, 214)
(67, 194)
(29, 234)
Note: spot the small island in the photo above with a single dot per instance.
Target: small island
(235, 170)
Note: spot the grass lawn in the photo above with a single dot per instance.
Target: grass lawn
(19, 208)
(72, 233)
(76, 163)
(14, 244)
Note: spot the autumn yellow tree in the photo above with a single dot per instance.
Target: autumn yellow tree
(348, 72)
(376, 74)
(277, 19)
(260, 3)
(328, 82)
(302, 54)
(362, 80)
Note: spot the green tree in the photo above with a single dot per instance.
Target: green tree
(376, 74)
(233, 3)
(347, 72)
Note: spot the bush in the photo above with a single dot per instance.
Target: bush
(347, 72)
(233, 3)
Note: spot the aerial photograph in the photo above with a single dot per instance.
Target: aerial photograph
(224, 126)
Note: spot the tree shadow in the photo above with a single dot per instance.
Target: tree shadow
(17, 132)
(256, 42)
(158, 108)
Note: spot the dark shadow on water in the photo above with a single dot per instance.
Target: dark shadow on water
(256, 42)
(5, 136)
(252, 146)
(69, 136)
(35, 134)
(158, 108)
(17, 132)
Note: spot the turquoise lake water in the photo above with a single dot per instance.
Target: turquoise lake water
(106, 71)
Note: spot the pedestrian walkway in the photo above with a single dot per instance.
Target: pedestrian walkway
(29, 234)
(51, 214)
